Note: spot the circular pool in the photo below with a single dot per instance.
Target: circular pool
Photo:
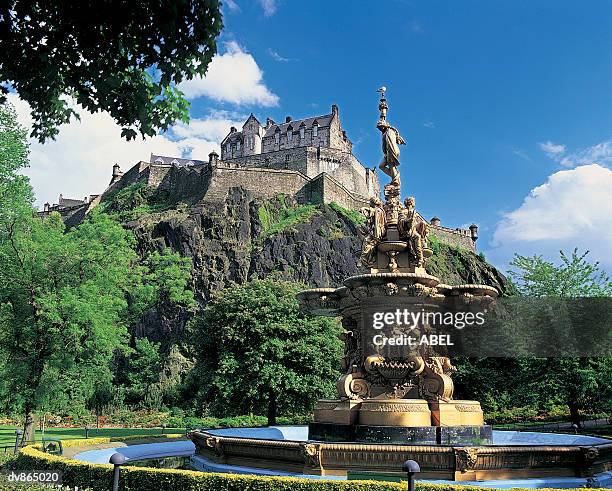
(274, 451)
(514, 458)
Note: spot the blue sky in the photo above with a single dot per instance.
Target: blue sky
(495, 99)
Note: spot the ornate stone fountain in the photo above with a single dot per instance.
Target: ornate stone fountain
(386, 396)
(395, 402)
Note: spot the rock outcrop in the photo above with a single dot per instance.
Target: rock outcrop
(246, 237)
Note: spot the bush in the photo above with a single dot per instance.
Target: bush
(6, 458)
(148, 479)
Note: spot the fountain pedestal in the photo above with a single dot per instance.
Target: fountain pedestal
(383, 397)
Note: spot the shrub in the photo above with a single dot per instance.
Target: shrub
(148, 479)
(97, 476)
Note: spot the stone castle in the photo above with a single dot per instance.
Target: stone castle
(310, 159)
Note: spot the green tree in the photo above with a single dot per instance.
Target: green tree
(579, 383)
(575, 276)
(15, 191)
(144, 367)
(163, 278)
(101, 398)
(62, 304)
(122, 58)
(256, 352)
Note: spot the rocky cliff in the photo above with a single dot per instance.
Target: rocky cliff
(245, 237)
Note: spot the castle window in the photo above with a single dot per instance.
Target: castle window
(315, 130)
(289, 134)
(238, 146)
(302, 133)
(277, 136)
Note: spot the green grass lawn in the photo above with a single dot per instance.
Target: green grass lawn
(7, 433)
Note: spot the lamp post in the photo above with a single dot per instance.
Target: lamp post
(410, 467)
(18, 434)
(117, 460)
(87, 428)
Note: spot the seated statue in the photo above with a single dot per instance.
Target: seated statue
(375, 231)
(413, 230)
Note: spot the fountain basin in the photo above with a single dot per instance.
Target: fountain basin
(512, 455)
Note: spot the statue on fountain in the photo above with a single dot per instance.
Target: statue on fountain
(391, 139)
(391, 392)
(413, 229)
(374, 230)
(395, 236)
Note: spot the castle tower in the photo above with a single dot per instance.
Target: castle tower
(252, 133)
(116, 174)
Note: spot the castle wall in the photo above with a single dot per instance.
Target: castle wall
(187, 184)
(137, 173)
(293, 158)
(311, 161)
(455, 237)
(325, 189)
(321, 179)
(263, 183)
(157, 176)
(343, 166)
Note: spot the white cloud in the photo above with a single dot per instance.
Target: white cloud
(79, 162)
(213, 127)
(232, 5)
(429, 124)
(597, 154)
(553, 150)
(600, 153)
(232, 77)
(269, 7)
(521, 153)
(571, 209)
(277, 56)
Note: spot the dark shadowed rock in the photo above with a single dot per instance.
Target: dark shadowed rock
(229, 242)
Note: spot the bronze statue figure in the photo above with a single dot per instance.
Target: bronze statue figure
(413, 230)
(375, 230)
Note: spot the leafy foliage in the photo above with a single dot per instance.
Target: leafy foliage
(15, 191)
(62, 305)
(122, 58)
(574, 277)
(144, 365)
(582, 384)
(255, 351)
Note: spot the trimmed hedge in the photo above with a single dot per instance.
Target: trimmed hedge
(98, 476)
